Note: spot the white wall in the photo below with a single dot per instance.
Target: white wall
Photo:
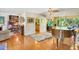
(29, 28)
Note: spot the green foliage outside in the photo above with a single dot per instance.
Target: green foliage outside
(64, 22)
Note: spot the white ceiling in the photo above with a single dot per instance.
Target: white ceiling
(21, 10)
(41, 11)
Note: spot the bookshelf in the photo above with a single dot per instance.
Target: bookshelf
(13, 23)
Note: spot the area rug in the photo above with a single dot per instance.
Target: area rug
(40, 37)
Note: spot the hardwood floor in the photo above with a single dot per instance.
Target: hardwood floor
(19, 42)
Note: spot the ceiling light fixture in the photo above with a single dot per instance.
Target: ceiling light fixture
(51, 12)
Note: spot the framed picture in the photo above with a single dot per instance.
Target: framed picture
(30, 20)
(1, 20)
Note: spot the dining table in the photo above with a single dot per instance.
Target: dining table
(60, 35)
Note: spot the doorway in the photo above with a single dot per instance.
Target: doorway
(37, 25)
(21, 25)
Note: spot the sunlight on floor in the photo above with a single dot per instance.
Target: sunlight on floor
(37, 44)
(74, 48)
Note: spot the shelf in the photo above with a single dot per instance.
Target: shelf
(13, 20)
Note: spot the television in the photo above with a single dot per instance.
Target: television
(1, 20)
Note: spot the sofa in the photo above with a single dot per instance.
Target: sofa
(4, 35)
